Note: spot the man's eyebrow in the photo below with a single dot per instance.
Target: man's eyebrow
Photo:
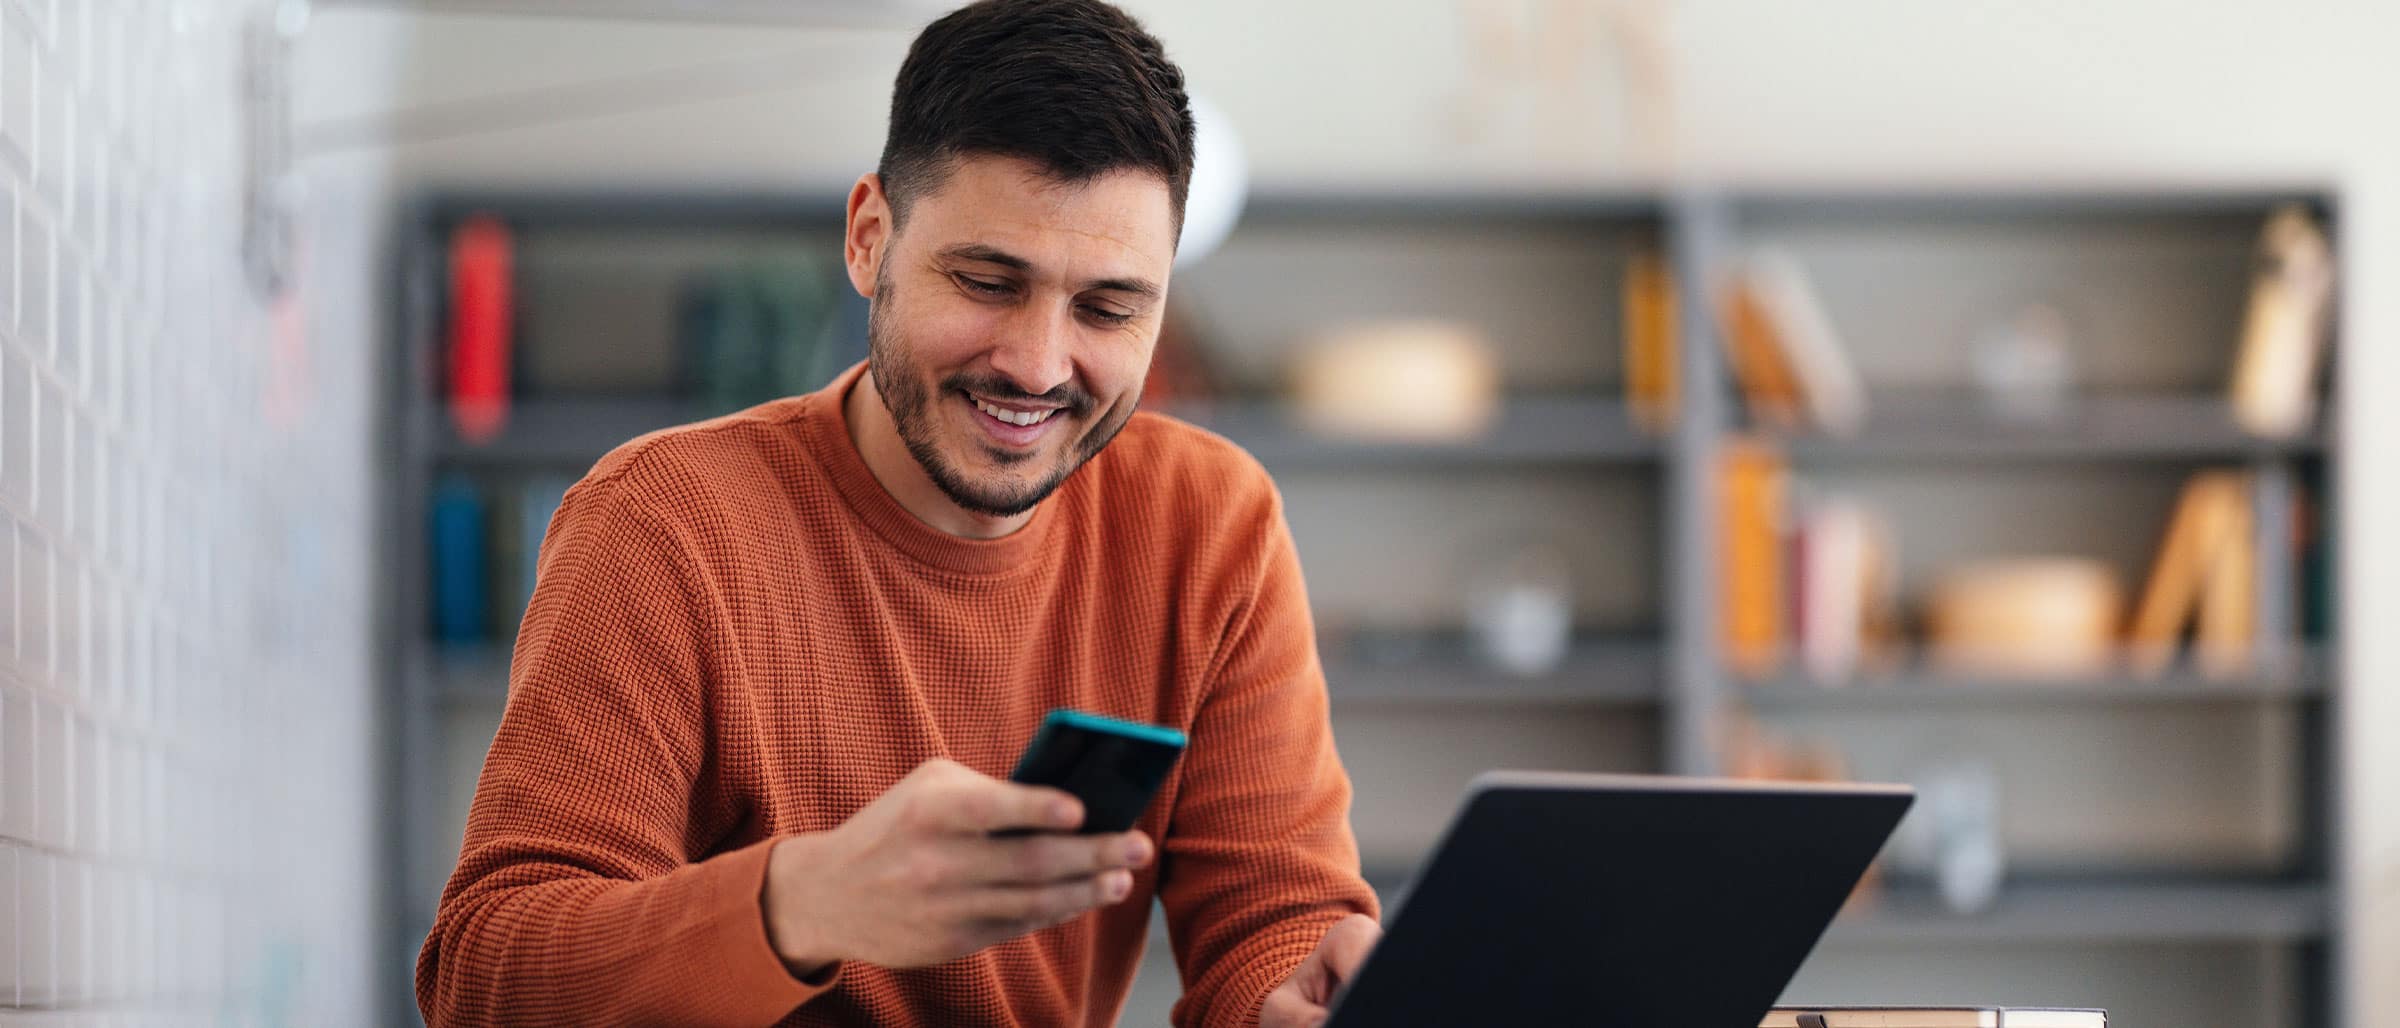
(983, 254)
(987, 255)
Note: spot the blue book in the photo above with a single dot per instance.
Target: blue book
(456, 529)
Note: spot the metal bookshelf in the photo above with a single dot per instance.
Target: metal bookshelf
(2135, 911)
(1931, 425)
(1593, 673)
(1668, 675)
(1529, 430)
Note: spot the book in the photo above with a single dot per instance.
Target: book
(1830, 588)
(1790, 364)
(456, 527)
(1832, 396)
(2284, 330)
(1652, 371)
(2207, 516)
(482, 313)
(1769, 390)
(1934, 1017)
(1753, 484)
(503, 555)
(1181, 378)
(2313, 606)
(769, 328)
(801, 306)
(2223, 640)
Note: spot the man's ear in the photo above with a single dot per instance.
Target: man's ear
(867, 234)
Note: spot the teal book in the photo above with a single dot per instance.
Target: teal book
(456, 530)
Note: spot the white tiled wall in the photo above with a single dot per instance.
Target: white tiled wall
(185, 793)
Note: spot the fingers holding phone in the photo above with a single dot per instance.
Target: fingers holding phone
(919, 876)
(1052, 857)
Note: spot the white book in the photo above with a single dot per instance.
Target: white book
(1933, 1017)
(1832, 613)
(1831, 391)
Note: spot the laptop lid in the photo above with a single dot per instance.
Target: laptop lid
(1620, 900)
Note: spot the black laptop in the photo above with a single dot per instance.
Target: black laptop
(1620, 900)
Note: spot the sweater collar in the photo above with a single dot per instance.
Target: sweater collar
(828, 438)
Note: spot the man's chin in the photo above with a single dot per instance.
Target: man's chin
(995, 503)
(1000, 488)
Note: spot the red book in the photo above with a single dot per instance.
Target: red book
(481, 309)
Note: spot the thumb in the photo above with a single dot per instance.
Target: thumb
(1347, 945)
(1344, 948)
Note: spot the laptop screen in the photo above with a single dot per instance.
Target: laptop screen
(1620, 900)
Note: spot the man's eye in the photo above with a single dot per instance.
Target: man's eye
(987, 288)
(1106, 316)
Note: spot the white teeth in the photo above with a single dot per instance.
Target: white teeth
(1019, 418)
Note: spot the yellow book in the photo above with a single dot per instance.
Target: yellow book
(2222, 642)
(1652, 382)
(1752, 494)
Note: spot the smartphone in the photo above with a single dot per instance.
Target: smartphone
(1113, 766)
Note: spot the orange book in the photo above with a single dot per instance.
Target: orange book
(1754, 347)
(1652, 382)
(1753, 491)
(2206, 518)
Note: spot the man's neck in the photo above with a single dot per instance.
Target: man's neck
(877, 438)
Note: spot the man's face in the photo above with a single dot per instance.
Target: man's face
(1013, 321)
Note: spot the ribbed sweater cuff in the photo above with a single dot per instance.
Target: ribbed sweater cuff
(759, 988)
(1268, 963)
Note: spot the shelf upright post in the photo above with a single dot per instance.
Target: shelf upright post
(411, 769)
(1698, 231)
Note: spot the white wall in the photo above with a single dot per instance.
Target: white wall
(185, 745)
(1344, 92)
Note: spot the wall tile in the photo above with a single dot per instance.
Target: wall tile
(37, 928)
(20, 765)
(133, 526)
(17, 427)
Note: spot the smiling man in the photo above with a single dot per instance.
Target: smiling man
(777, 663)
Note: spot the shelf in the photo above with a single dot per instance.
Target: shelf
(2067, 910)
(2060, 910)
(564, 432)
(2302, 680)
(1530, 430)
(1594, 673)
(2016, 205)
(1930, 425)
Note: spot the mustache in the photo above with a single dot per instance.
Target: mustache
(1066, 395)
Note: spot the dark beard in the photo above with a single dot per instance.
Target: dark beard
(901, 384)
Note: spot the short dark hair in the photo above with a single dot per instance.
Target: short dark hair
(1074, 86)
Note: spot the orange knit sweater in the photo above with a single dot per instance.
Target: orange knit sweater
(738, 635)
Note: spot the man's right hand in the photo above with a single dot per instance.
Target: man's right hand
(917, 878)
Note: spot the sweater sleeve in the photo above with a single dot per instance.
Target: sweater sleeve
(578, 898)
(1259, 859)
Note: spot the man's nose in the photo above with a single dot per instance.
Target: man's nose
(1033, 351)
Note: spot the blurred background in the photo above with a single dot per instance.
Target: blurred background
(1975, 395)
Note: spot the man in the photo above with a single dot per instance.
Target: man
(777, 662)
